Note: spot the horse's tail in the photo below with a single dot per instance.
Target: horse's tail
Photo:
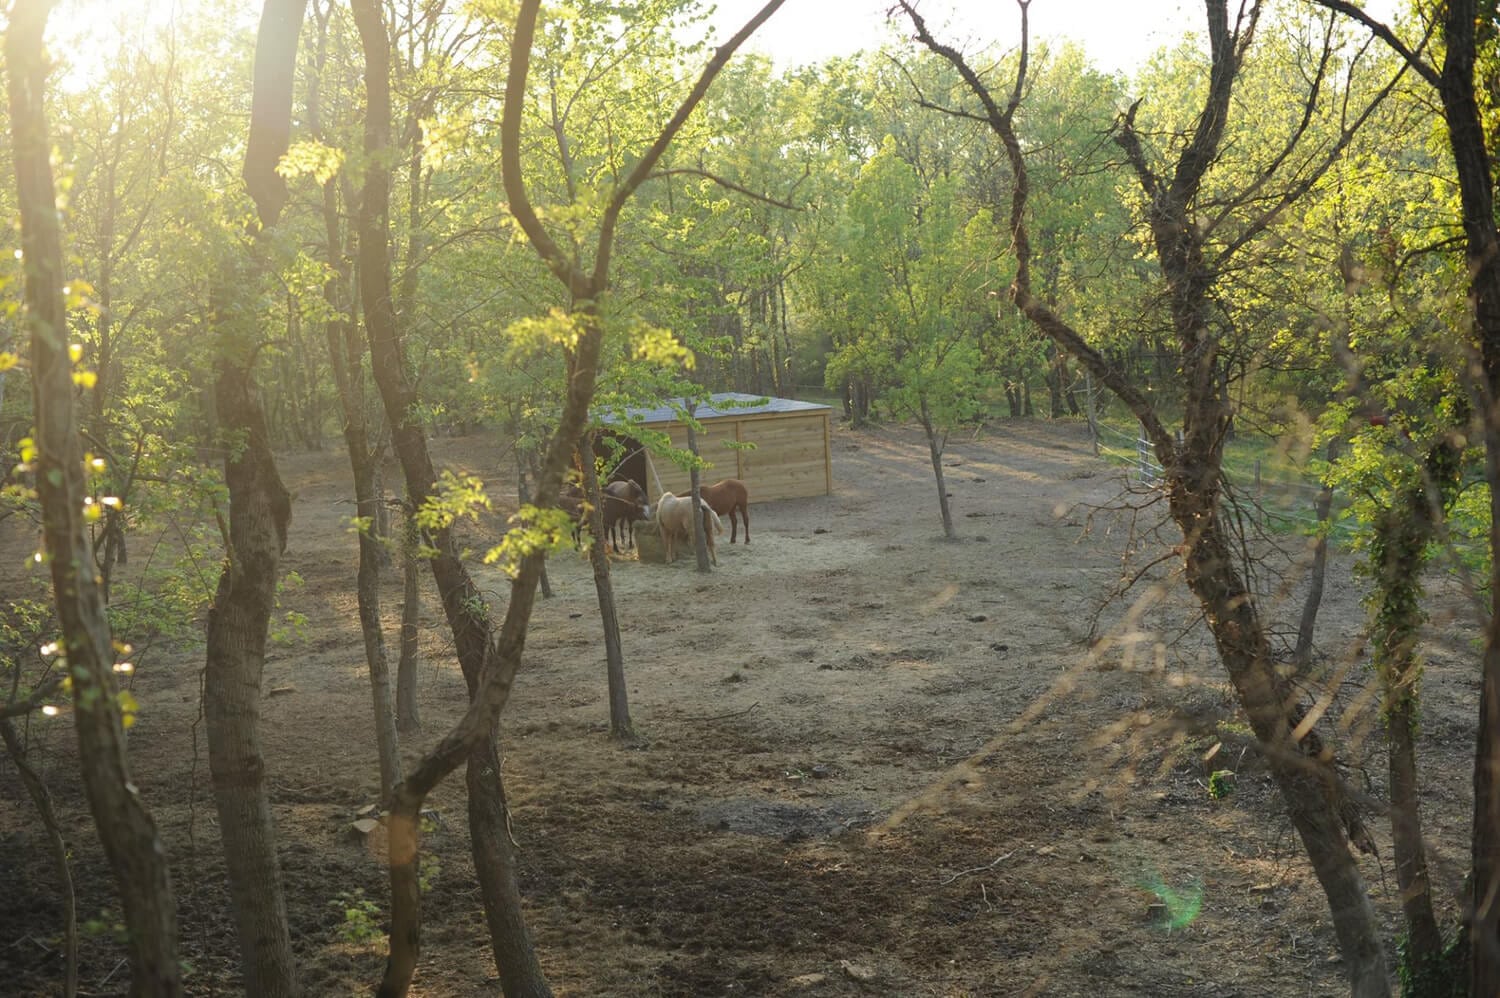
(718, 523)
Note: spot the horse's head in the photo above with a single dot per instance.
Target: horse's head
(637, 496)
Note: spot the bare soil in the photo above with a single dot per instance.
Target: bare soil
(873, 761)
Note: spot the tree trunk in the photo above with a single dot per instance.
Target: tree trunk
(788, 375)
(1307, 781)
(346, 354)
(488, 668)
(408, 716)
(259, 514)
(42, 800)
(1054, 382)
(935, 452)
(387, 742)
(523, 498)
(1194, 467)
(1317, 572)
(700, 541)
(1466, 138)
(520, 973)
(126, 829)
(858, 403)
(777, 388)
(1484, 885)
(1065, 378)
(614, 658)
(582, 361)
(1398, 554)
(1424, 940)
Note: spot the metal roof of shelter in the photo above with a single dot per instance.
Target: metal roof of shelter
(748, 405)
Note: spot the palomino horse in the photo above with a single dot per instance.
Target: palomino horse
(674, 515)
(728, 498)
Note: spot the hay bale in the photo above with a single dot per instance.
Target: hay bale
(648, 545)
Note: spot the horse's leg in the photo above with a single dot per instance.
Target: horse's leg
(745, 512)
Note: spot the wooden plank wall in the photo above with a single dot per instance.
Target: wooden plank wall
(710, 447)
(792, 457)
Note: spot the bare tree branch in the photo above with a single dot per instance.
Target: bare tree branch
(726, 183)
(649, 159)
(1001, 122)
(1413, 57)
(35, 701)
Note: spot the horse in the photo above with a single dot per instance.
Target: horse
(624, 504)
(728, 498)
(571, 501)
(674, 516)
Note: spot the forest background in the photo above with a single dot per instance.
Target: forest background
(1271, 247)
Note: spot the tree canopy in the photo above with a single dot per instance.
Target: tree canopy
(412, 218)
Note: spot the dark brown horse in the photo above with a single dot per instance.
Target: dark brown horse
(729, 498)
(624, 505)
(571, 501)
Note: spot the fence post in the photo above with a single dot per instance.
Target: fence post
(1143, 457)
(1088, 388)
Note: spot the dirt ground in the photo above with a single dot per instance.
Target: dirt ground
(874, 761)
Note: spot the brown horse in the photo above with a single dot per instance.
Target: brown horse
(728, 498)
(624, 505)
(571, 501)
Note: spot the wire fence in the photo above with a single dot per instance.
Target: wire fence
(1279, 505)
(1273, 504)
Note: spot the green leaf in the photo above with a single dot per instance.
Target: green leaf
(311, 158)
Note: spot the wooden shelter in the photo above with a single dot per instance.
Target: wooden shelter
(792, 456)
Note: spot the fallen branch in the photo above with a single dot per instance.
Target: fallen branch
(720, 717)
(978, 869)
